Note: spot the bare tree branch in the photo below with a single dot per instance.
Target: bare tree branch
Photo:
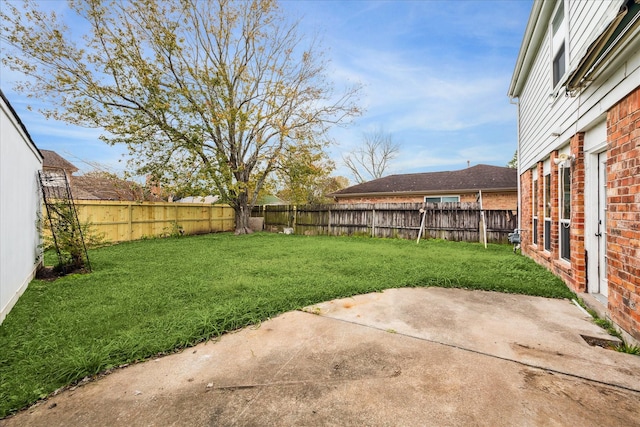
(371, 160)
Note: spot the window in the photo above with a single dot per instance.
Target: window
(547, 212)
(558, 18)
(442, 199)
(558, 45)
(558, 66)
(534, 208)
(565, 213)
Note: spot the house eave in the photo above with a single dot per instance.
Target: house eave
(534, 34)
(32, 145)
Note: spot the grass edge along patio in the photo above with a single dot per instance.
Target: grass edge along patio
(153, 297)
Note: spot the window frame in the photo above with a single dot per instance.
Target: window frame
(559, 64)
(564, 212)
(547, 211)
(457, 197)
(559, 44)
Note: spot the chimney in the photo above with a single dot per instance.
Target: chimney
(154, 186)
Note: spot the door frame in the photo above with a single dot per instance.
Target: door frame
(595, 145)
(603, 285)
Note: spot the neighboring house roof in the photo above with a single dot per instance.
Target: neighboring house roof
(108, 188)
(96, 187)
(479, 177)
(53, 160)
(198, 199)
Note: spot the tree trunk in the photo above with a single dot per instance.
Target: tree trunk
(243, 213)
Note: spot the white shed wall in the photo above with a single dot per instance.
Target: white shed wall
(20, 162)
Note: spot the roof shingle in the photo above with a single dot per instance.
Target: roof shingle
(479, 177)
(86, 187)
(52, 160)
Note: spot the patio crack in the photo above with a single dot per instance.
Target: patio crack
(486, 354)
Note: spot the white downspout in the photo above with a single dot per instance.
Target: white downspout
(519, 160)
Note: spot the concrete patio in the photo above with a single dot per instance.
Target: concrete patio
(410, 357)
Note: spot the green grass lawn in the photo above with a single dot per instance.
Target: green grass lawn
(155, 296)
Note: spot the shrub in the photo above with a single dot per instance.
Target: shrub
(61, 231)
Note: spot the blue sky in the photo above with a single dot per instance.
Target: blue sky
(435, 76)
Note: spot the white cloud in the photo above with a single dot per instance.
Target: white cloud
(408, 95)
(434, 74)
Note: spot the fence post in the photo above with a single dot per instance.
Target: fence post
(373, 222)
(130, 207)
(483, 221)
(329, 223)
(295, 215)
(210, 218)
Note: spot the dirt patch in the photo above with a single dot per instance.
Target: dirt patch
(50, 274)
(47, 273)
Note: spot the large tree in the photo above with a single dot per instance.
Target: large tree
(218, 88)
(371, 159)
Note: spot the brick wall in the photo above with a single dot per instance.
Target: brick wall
(497, 201)
(505, 200)
(540, 206)
(578, 262)
(533, 250)
(554, 208)
(572, 272)
(623, 215)
(526, 210)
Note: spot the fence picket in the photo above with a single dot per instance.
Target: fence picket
(121, 221)
(450, 221)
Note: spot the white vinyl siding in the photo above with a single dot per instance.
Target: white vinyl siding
(19, 209)
(543, 114)
(586, 20)
(559, 45)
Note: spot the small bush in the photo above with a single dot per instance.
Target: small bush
(71, 238)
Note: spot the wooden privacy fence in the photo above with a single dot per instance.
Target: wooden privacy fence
(450, 221)
(122, 221)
